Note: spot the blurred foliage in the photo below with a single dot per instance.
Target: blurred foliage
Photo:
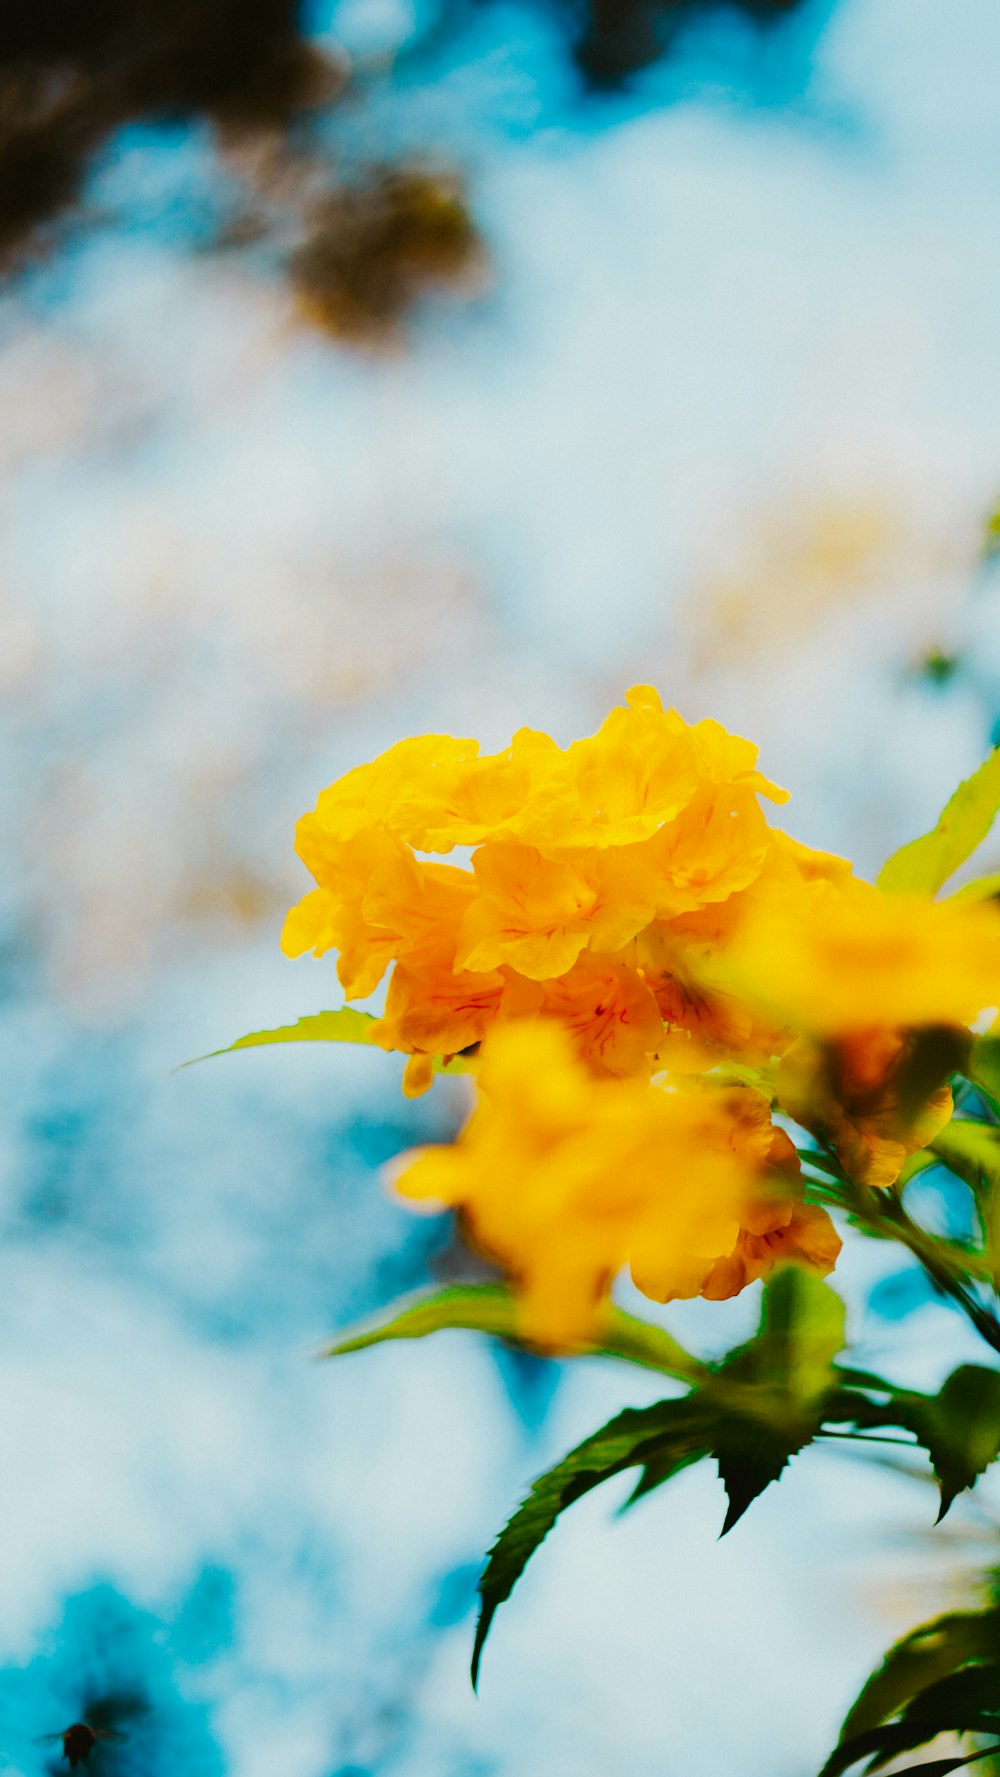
(378, 245)
(365, 243)
(942, 1678)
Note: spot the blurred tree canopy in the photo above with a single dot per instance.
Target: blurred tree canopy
(364, 245)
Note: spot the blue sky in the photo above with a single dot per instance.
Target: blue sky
(725, 414)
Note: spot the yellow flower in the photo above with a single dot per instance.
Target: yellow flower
(525, 789)
(607, 1011)
(716, 847)
(379, 793)
(808, 1237)
(564, 1180)
(836, 957)
(849, 1091)
(538, 913)
(428, 1008)
(376, 902)
(580, 856)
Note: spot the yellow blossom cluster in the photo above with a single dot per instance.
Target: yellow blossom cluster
(564, 1180)
(596, 870)
(628, 921)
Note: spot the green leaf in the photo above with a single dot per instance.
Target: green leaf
(801, 1331)
(942, 1767)
(769, 1395)
(970, 1149)
(491, 1308)
(958, 1701)
(749, 1458)
(673, 1431)
(925, 864)
(346, 1025)
(879, 1745)
(959, 1427)
(916, 1661)
(983, 1066)
(752, 1412)
(991, 536)
(983, 888)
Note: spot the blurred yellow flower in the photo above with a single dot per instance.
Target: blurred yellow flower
(563, 1180)
(832, 957)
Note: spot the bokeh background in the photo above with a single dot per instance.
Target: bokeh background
(391, 365)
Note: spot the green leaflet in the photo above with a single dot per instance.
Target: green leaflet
(984, 888)
(768, 1396)
(991, 536)
(941, 1678)
(942, 1767)
(916, 1661)
(346, 1025)
(672, 1429)
(983, 1066)
(970, 1149)
(491, 1308)
(880, 1745)
(752, 1412)
(960, 1428)
(925, 864)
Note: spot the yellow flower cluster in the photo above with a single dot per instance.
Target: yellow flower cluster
(595, 869)
(564, 1180)
(629, 913)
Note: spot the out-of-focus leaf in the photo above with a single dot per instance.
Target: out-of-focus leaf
(346, 1025)
(801, 1331)
(983, 888)
(958, 1699)
(960, 1427)
(925, 864)
(491, 1308)
(991, 536)
(970, 1149)
(918, 1660)
(983, 1067)
(879, 1745)
(942, 1767)
(673, 1431)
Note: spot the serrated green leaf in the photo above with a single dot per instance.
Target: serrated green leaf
(959, 1427)
(345, 1025)
(673, 1431)
(925, 864)
(492, 1308)
(749, 1458)
(769, 1395)
(916, 1661)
